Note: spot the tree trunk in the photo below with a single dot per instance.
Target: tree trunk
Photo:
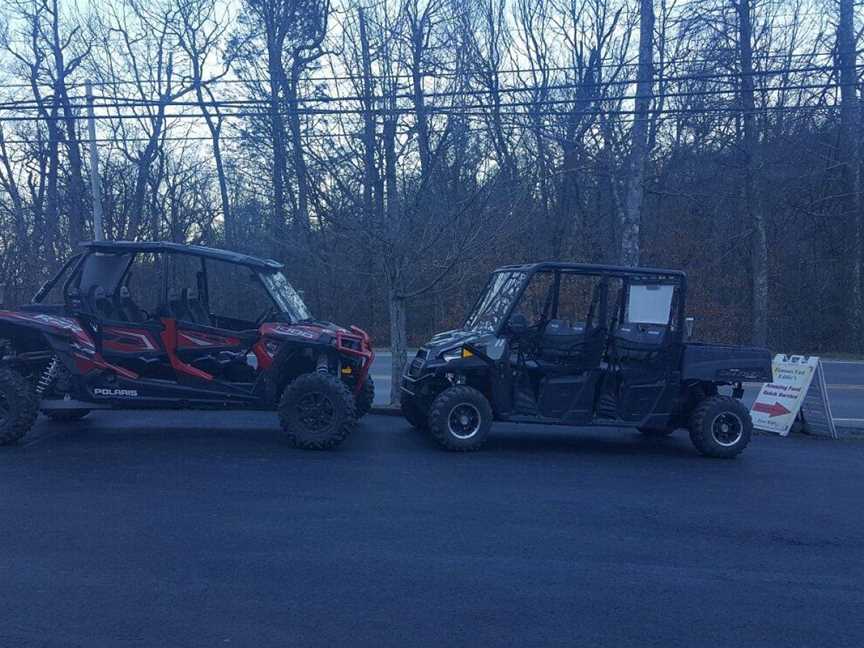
(280, 163)
(52, 211)
(759, 242)
(398, 340)
(418, 36)
(398, 333)
(370, 171)
(632, 214)
(227, 216)
(301, 217)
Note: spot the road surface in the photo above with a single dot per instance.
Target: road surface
(204, 529)
(845, 381)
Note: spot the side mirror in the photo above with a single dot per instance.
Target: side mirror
(517, 324)
(689, 326)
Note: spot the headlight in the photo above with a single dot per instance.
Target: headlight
(456, 353)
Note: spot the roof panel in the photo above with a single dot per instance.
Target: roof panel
(118, 247)
(590, 268)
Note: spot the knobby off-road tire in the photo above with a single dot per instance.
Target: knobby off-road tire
(720, 426)
(317, 411)
(17, 406)
(66, 415)
(460, 418)
(363, 401)
(413, 413)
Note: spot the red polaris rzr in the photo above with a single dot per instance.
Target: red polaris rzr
(128, 325)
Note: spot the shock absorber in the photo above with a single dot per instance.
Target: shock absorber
(322, 364)
(48, 376)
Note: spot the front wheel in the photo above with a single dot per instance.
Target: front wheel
(460, 418)
(17, 406)
(317, 411)
(721, 427)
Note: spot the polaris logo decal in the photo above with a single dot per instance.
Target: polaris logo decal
(126, 393)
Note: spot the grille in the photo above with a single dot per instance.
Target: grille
(351, 343)
(416, 367)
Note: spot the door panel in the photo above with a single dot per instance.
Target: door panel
(137, 347)
(558, 364)
(221, 354)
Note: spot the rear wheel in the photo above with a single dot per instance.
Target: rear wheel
(66, 415)
(720, 426)
(364, 399)
(460, 418)
(17, 406)
(413, 413)
(317, 411)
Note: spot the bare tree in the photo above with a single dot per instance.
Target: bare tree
(632, 215)
(202, 31)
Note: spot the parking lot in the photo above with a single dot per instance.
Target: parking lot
(205, 529)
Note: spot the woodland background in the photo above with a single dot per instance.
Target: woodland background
(392, 152)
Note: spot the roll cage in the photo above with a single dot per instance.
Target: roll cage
(518, 277)
(119, 256)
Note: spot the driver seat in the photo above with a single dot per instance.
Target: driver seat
(127, 308)
(195, 307)
(176, 308)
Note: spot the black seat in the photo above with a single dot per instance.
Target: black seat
(176, 305)
(196, 309)
(98, 303)
(561, 341)
(126, 307)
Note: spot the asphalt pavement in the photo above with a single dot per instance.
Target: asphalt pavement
(845, 380)
(204, 529)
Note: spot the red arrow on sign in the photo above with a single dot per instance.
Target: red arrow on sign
(771, 410)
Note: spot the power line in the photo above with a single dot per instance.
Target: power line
(127, 102)
(467, 111)
(407, 75)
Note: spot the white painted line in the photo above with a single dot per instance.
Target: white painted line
(849, 420)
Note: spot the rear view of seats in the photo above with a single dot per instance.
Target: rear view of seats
(126, 307)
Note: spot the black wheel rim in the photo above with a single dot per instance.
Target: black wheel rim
(727, 429)
(316, 412)
(464, 421)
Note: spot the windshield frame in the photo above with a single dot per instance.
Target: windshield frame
(284, 295)
(489, 295)
(67, 271)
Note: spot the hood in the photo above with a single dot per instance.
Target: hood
(449, 339)
(305, 330)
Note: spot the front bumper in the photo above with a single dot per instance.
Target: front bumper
(357, 344)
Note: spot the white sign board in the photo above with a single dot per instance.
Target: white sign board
(778, 402)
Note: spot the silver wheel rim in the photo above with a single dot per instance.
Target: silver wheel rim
(727, 429)
(463, 422)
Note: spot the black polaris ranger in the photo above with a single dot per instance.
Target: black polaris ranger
(582, 345)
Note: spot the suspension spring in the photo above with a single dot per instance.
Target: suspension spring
(48, 376)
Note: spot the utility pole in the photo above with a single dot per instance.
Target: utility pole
(98, 233)
(759, 242)
(850, 165)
